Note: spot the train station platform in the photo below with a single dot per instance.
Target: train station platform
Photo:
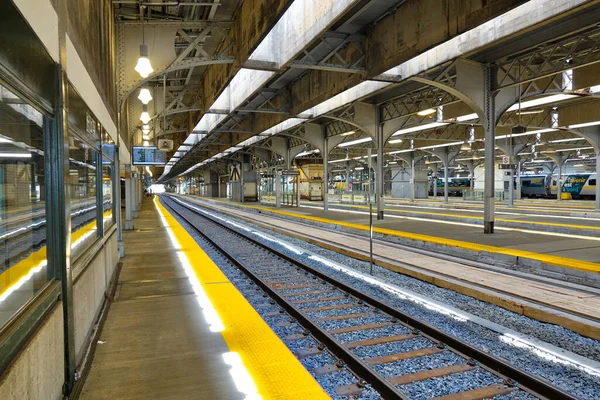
(549, 217)
(178, 329)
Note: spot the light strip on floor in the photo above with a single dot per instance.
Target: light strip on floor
(242, 379)
(210, 313)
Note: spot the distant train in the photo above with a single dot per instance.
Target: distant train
(580, 186)
(455, 186)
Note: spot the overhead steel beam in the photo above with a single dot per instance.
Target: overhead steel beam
(183, 24)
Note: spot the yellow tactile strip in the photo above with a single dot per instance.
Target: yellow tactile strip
(475, 247)
(275, 370)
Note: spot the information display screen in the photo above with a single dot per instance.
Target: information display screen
(142, 155)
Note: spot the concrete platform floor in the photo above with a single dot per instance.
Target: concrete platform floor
(155, 343)
(573, 246)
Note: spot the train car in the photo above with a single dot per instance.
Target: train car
(455, 186)
(580, 186)
(534, 186)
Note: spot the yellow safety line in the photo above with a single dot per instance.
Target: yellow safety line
(274, 369)
(547, 259)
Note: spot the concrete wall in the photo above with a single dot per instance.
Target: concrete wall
(92, 31)
(89, 292)
(38, 370)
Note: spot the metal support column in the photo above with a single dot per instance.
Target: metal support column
(412, 179)
(489, 153)
(99, 196)
(128, 199)
(134, 197)
(379, 173)
(347, 176)
(277, 188)
(445, 161)
(242, 182)
(519, 179)
(511, 186)
(58, 209)
(435, 181)
(325, 152)
(559, 182)
(116, 177)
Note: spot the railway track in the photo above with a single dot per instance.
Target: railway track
(364, 335)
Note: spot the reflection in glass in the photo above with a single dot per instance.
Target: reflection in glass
(107, 193)
(23, 265)
(82, 189)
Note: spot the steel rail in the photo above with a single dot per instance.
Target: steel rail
(535, 385)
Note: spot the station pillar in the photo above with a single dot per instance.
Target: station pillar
(325, 176)
(277, 189)
(489, 152)
(134, 197)
(413, 179)
(559, 182)
(128, 199)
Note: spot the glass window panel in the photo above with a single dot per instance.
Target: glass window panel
(23, 268)
(82, 170)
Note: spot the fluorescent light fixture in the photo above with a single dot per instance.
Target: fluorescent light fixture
(15, 155)
(393, 162)
(145, 96)
(393, 141)
(595, 89)
(357, 141)
(348, 133)
(530, 112)
(339, 160)
(566, 140)
(541, 101)
(5, 140)
(577, 148)
(306, 153)
(578, 165)
(527, 133)
(435, 146)
(143, 66)
(145, 129)
(427, 112)
(359, 168)
(467, 117)
(419, 128)
(145, 137)
(584, 125)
